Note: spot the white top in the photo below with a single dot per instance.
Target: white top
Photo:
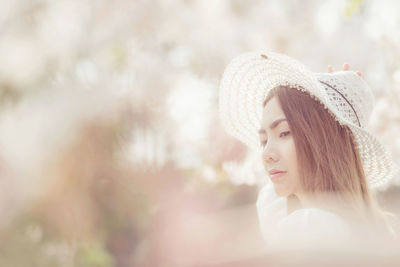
(306, 227)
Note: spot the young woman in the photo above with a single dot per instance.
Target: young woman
(310, 130)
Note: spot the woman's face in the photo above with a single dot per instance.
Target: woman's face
(279, 152)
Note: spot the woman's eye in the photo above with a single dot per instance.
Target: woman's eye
(284, 134)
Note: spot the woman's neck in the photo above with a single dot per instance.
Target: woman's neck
(322, 201)
(306, 201)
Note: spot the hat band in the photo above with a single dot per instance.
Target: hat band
(348, 102)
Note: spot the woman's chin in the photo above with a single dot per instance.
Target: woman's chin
(282, 192)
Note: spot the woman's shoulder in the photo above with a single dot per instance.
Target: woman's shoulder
(305, 224)
(274, 207)
(307, 215)
(313, 227)
(314, 219)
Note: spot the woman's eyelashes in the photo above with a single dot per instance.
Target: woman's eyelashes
(281, 135)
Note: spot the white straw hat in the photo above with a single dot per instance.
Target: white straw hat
(249, 77)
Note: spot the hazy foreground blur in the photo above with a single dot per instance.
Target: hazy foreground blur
(111, 152)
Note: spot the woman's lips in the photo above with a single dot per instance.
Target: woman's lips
(275, 176)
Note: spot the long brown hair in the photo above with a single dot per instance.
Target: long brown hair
(328, 160)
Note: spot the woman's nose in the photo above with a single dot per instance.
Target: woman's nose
(269, 154)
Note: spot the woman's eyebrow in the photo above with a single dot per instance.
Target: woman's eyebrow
(273, 125)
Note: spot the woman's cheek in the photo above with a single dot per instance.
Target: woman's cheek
(290, 155)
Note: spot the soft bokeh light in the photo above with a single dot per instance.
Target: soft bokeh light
(189, 105)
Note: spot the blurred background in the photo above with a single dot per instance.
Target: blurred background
(111, 151)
